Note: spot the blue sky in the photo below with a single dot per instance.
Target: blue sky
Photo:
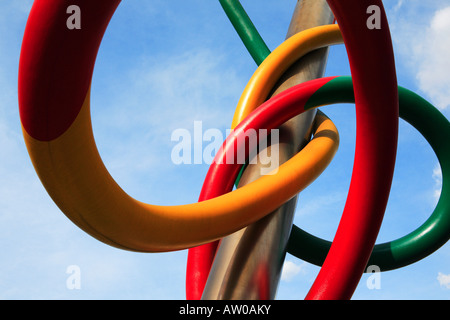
(162, 66)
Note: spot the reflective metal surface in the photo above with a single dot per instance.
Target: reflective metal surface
(248, 263)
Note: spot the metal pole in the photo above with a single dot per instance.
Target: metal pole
(248, 263)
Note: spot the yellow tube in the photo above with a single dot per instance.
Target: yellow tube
(272, 68)
(74, 175)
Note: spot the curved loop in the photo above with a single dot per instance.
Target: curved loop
(62, 147)
(377, 112)
(434, 232)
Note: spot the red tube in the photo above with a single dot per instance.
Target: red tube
(65, 84)
(373, 71)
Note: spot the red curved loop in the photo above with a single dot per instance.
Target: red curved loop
(375, 82)
(66, 84)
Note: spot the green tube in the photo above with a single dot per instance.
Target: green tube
(434, 232)
(246, 30)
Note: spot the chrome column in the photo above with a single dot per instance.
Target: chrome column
(248, 263)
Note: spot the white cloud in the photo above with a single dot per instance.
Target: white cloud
(398, 6)
(444, 280)
(423, 42)
(441, 20)
(437, 177)
(290, 270)
(433, 76)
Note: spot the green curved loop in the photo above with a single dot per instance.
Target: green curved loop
(432, 234)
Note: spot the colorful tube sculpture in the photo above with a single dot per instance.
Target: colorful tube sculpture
(55, 74)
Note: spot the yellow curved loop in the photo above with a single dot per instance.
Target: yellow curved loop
(74, 175)
(272, 68)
